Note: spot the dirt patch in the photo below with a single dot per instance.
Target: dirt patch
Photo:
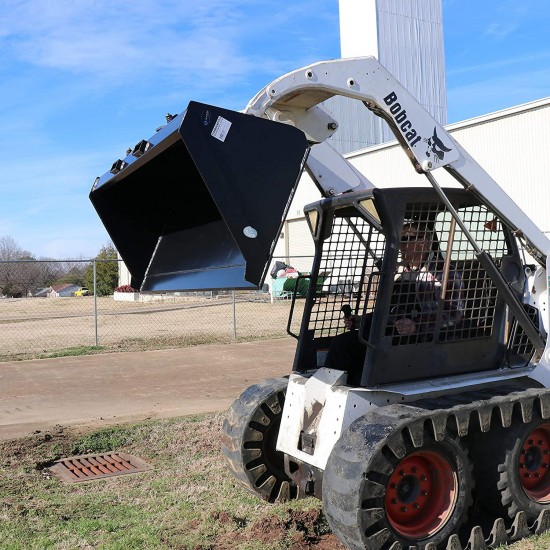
(302, 529)
(38, 450)
(108, 389)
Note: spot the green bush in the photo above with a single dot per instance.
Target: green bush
(106, 271)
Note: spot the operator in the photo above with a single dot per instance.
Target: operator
(418, 287)
(414, 305)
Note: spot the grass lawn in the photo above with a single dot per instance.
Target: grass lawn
(187, 500)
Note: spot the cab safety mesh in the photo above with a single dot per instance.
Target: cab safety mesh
(351, 258)
(440, 290)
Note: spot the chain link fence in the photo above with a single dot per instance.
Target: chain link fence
(39, 320)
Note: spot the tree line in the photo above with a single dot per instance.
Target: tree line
(22, 274)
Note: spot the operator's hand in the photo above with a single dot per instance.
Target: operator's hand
(405, 326)
(352, 322)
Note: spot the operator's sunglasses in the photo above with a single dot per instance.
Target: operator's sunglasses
(413, 237)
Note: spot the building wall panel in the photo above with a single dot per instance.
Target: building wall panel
(512, 147)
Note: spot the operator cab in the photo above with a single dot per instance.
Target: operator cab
(360, 262)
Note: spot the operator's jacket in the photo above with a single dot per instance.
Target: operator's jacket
(417, 293)
(416, 296)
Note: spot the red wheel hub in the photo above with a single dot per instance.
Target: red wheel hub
(534, 463)
(421, 494)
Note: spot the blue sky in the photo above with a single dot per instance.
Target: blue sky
(81, 81)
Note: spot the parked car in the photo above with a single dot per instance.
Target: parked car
(83, 292)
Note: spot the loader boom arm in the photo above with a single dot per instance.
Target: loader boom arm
(295, 97)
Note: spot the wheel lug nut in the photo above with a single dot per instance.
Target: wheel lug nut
(416, 506)
(414, 470)
(521, 465)
(394, 485)
(424, 493)
(523, 451)
(527, 475)
(546, 452)
(423, 478)
(394, 501)
(537, 475)
(531, 442)
(404, 509)
(401, 472)
(541, 442)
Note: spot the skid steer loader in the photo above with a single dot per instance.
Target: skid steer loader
(437, 436)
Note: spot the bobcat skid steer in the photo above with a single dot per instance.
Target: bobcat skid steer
(438, 437)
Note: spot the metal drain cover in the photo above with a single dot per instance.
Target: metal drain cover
(97, 466)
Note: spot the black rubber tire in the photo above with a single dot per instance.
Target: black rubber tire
(497, 458)
(249, 436)
(355, 482)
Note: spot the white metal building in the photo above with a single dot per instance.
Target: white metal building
(512, 145)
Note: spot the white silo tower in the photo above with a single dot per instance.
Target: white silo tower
(406, 36)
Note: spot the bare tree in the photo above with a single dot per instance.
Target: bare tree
(10, 250)
(72, 272)
(31, 275)
(21, 274)
(10, 274)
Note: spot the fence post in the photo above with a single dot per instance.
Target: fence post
(234, 316)
(95, 304)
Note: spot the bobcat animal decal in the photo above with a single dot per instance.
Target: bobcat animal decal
(436, 147)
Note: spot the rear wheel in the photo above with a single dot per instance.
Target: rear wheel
(516, 470)
(249, 438)
(373, 498)
(534, 462)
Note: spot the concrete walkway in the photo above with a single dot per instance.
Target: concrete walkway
(106, 389)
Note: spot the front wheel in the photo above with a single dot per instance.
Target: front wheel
(249, 438)
(420, 498)
(422, 493)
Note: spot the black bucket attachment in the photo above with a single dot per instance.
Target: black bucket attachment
(200, 204)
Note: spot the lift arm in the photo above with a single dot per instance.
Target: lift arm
(295, 97)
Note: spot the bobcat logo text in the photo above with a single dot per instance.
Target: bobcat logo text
(402, 120)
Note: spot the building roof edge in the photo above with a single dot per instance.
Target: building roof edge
(469, 122)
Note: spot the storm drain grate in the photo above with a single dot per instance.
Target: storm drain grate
(97, 466)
